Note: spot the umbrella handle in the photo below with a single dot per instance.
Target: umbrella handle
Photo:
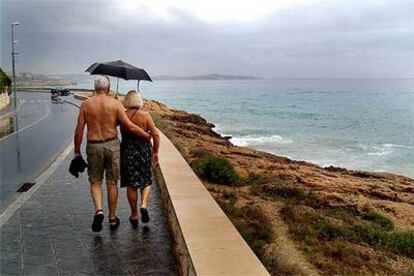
(138, 86)
(117, 84)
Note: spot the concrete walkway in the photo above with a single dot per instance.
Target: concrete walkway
(50, 235)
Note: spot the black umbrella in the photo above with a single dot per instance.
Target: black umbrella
(119, 69)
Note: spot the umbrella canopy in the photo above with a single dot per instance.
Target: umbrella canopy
(119, 69)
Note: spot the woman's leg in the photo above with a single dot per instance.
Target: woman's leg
(145, 196)
(132, 195)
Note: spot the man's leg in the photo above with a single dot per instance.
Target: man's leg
(145, 196)
(95, 172)
(111, 162)
(112, 197)
(96, 193)
(144, 201)
(132, 195)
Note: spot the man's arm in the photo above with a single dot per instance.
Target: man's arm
(130, 126)
(79, 130)
(155, 139)
(154, 133)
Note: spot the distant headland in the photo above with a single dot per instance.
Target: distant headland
(206, 77)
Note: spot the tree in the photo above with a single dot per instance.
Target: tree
(5, 82)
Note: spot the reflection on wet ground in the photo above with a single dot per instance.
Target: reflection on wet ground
(51, 235)
(30, 140)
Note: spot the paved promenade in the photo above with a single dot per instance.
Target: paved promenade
(50, 235)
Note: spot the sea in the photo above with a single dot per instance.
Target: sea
(361, 124)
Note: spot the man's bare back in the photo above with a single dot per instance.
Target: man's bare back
(101, 113)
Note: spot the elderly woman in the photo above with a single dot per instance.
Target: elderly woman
(137, 157)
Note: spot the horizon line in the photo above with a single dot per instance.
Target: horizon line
(240, 75)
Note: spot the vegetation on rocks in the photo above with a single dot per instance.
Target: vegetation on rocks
(300, 219)
(216, 169)
(250, 221)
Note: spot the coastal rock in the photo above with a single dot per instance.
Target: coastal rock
(361, 187)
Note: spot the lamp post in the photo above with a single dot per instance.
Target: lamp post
(13, 62)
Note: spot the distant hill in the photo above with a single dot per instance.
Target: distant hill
(206, 77)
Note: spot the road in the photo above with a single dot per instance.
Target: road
(34, 137)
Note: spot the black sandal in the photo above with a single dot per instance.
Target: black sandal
(114, 223)
(134, 222)
(144, 215)
(97, 221)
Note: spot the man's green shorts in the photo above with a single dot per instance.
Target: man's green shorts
(103, 157)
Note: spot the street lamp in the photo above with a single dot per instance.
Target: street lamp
(13, 62)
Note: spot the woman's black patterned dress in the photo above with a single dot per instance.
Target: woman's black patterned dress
(136, 166)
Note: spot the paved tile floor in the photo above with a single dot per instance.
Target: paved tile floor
(51, 235)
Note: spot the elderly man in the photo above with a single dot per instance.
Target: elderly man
(101, 114)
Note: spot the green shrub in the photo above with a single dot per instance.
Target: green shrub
(253, 225)
(198, 153)
(402, 242)
(283, 191)
(254, 179)
(375, 230)
(379, 219)
(216, 169)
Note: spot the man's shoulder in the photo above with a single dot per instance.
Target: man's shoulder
(105, 100)
(114, 102)
(86, 102)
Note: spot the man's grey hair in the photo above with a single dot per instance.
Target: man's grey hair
(102, 83)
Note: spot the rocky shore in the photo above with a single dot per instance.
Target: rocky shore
(298, 217)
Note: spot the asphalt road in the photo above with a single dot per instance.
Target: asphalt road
(34, 137)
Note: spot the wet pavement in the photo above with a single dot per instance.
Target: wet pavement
(31, 140)
(50, 235)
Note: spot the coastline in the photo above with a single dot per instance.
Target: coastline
(229, 138)
(270, 184)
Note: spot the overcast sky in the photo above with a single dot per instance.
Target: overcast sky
(269, 38)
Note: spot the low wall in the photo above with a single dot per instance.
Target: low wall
(80, 97)
(4, 100)
(207, 241)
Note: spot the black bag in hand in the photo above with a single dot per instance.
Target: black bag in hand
(77, 165)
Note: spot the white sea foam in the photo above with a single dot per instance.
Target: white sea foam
(383, 149)
(219, 129)
(397, 146)
(380, 152)
(259, 140)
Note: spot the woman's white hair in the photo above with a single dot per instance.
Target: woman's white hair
(133, 99)
(102, 83)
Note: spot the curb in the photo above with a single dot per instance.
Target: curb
(72, 103)
(40, 180)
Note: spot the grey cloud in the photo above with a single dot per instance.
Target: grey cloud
(327, 39)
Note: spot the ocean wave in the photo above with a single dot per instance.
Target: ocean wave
(219, 129)
(380, 152)
(397, 146)
(258, 141)
(383, 149)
